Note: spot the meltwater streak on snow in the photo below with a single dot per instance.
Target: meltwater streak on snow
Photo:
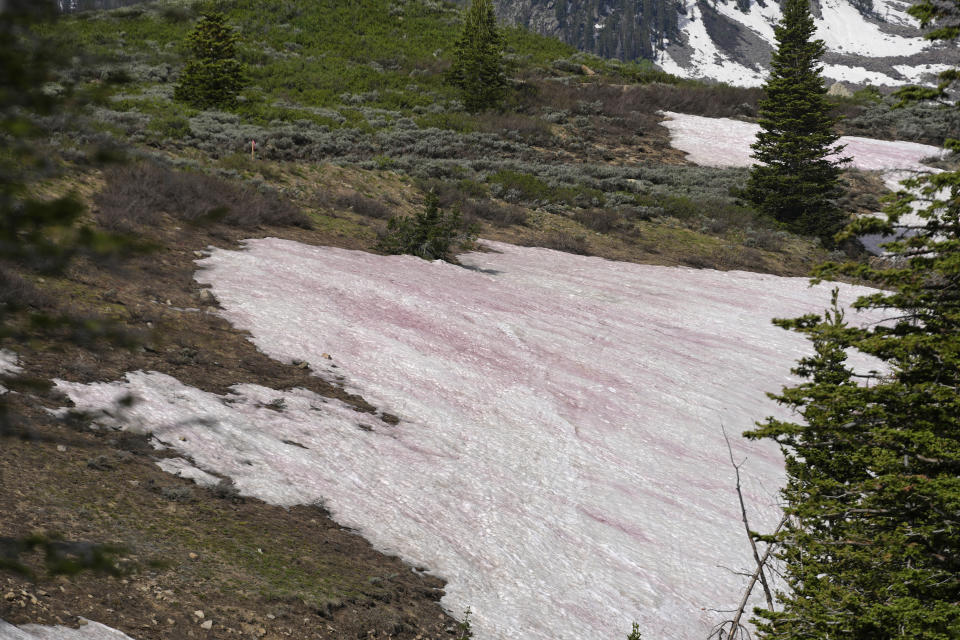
(723, 142)
(559, 459)
(89, 631)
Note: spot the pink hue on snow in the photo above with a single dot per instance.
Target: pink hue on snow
(723, 142)
(559, 458)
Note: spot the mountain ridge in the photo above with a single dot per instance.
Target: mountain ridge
(868, 42)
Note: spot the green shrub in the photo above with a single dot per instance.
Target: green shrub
(430, 234)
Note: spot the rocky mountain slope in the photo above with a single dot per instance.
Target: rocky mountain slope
(868, 41)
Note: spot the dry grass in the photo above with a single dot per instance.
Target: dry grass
(138, 195)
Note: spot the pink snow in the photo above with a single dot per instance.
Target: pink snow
(559, 458)
(723, 142)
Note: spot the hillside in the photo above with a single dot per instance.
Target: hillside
(263, 306)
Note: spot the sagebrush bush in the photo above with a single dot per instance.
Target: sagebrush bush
(139, 194)
(561, 240)
(364, 205)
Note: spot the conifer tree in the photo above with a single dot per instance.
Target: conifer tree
(795, 181)
(478, 67)
(873, 491)
(214, 77)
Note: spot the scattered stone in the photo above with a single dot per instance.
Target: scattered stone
(207, 625)
(199, 614)
(192, 556)
(205, 295)
(61, 448)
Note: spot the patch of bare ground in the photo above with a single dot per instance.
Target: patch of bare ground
(252, 569)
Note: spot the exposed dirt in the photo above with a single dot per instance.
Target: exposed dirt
(253, 569)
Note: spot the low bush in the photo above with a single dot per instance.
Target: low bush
(431, 234)
(501, 215)
(364, 206)
(561, 240)
(139, 194)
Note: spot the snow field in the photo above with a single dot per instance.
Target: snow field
(559, 458)
(724, 142)
(8, 366)
(90, 631)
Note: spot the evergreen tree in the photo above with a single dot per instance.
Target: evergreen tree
(795, 181)
(478, 68)
(873, 490)
(430, 234)
(214, 77)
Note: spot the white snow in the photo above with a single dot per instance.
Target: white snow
(843, 29)
(8, 363)
(706, 60)
(923, 73)
(859, 75)
(89, 631)
(895, 12)
(8, 366)
(559, 459)
(724, 142)
(841, 26)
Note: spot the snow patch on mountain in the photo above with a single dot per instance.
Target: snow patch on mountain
(724, 142)
(858, 75)
(559, 458)
(843, 28)
(705, 58)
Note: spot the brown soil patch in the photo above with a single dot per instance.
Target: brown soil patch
(253, 569)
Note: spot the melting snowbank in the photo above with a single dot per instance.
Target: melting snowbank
(89, 631)
(8, 366)
(559, 459)
(724, 142)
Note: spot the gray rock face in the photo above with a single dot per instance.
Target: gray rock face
(731, 40)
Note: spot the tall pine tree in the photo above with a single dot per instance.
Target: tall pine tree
(478, 68)
(872, 545)
(214, 77)
(795, 181)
